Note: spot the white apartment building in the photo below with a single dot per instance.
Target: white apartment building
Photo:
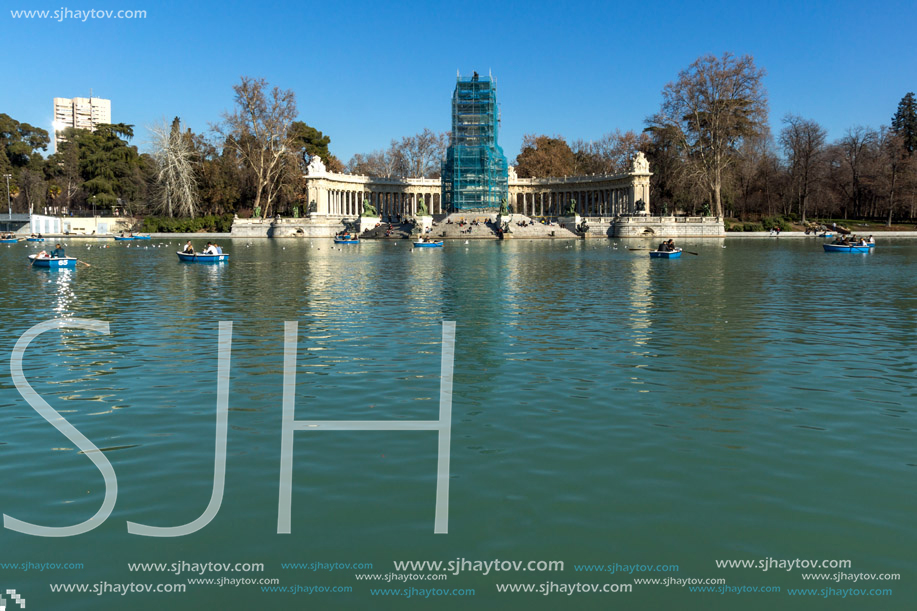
(81, 113)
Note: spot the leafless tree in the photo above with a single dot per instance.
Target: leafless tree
(803, 142)
(853, 153)
(420, 155)
(259, 130)
(714, 104)
(610, 154)
(175, 190)
(414, 156)
(32, 189)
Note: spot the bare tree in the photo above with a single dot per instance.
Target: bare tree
(175, 191)
(712, 106)
(420, 155)
(803, 143)
(853, 152)
(32, 189)
(895, 169)
(414, 156)
(259, 130)
(610, 154)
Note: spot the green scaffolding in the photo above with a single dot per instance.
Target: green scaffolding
(475, 169)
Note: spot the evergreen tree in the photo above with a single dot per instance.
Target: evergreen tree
(904, 123)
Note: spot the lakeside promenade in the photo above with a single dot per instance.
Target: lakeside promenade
(727, 235)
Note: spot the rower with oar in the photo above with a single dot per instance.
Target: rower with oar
(665, 246)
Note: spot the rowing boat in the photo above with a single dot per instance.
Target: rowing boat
(428, 244)
(666, 254)
(201, 258)
(53, 262)
(847, 247)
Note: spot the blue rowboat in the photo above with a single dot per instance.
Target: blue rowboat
(199, 258)
(846, 248)
(428, 244)
(9, 241)
(345, 241)
(53, 262)
(123, 238)
(142, 237)
(826, 235)
(666, 254)
(34, 239)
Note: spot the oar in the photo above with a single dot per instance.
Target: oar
(641, 249)
(691, 253)
(83, 262)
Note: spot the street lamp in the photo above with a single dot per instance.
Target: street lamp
(8, 201)
(93, 206)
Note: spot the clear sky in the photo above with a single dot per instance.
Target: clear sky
(367, 72)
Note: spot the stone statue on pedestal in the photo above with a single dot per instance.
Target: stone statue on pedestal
(571, 207)
(504, 209)
(315, 166)
(640, 165)
(368, 209)
(422, 207)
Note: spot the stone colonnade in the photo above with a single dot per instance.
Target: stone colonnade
(332, 194)
(595, 196)
(342, 195)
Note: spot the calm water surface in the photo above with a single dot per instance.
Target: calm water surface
(754, 401)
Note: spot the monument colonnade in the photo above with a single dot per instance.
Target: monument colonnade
(333, 194)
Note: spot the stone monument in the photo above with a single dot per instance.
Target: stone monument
(315, 166)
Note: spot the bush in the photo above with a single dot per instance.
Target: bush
(206, 224)
(776, 221)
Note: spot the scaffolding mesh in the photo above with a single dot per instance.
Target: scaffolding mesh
(475, 169)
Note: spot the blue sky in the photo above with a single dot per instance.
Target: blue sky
(367, 72)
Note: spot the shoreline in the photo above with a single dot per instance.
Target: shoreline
(727, 235)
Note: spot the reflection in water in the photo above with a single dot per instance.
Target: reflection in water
(591, 383)
(641, 299)
(63, 279)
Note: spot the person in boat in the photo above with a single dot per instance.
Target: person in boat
(58, 252)
(189, 248)
(218, 250)
(871, 240)
(42, 255)
(209, 249)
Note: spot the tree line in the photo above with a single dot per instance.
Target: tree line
(710, 148)
(711, 151)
